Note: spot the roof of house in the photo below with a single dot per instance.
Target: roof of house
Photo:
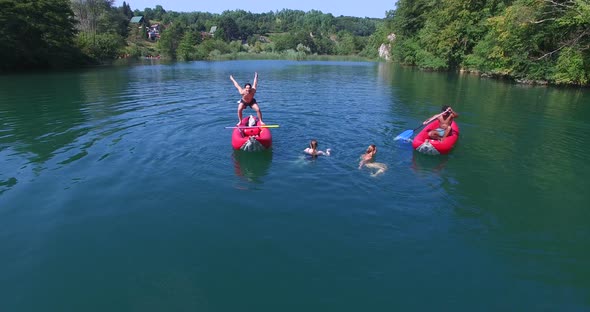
(136, 19)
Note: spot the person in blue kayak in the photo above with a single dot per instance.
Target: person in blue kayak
(444, 123)
(313, 149)
(247, 100)
(368, 160)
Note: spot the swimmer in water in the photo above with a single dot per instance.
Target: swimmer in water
(313, 150)
(368, 160)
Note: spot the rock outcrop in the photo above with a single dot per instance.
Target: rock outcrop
(385, 48)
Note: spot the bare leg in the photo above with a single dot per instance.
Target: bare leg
(433, 134)
(240, 109)
(447, 131)
(379, 166)
(258, 112)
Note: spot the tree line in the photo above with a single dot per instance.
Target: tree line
(530, 40)
(70, 33)
(545, 41)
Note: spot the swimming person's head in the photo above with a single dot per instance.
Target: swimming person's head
(370, 149)
(313, 144)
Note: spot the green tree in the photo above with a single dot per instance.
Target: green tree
(187, 49)
(126, 10)
(101, 47)
(511, 42)
(101, 28)
(410, 16)
(323, 45)
(90, 13)
(573, 67)
(158, 13)
(229, 28)
(370, 47)
(170, 40)
(345, 44)
(37, 33)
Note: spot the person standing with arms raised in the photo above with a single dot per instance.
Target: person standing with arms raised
(247, 100)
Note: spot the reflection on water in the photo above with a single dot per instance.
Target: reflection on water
(7, 184)
(252, 166)
(423, 162)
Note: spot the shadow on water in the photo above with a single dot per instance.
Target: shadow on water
(422, 162)
(252, 166)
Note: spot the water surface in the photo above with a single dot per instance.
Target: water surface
(119, 191)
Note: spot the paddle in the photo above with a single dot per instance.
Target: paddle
(406, 135)
(246, 127)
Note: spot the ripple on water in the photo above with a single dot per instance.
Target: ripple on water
(142, 152)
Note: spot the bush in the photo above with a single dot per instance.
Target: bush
(571, 68)
(105, 46)
(427, 60)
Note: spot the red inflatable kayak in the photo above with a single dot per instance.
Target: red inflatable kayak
(253, 138)
(422, 143)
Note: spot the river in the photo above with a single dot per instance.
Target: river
(120, 191)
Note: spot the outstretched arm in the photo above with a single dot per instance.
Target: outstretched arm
(236, 84)
(255, 83)
(317, 153)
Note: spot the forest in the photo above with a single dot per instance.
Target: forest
(530, 41)
(72, 33)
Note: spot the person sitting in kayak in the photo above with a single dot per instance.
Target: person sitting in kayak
(247, 100)
(444, 123)
(313, 149)
(367, 159)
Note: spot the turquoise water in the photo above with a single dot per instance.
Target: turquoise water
(119, 191)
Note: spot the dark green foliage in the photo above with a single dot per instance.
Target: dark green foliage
(36, 34)
(187, 49)
(100, 47)
(525, 39)
(410, 16)
(354, 25)
(346, 44)
(126, 10)
(370, 46)
(170, 40)
(323, 45)
(94, 30)
(572, 67)
(102, 28)
(228, 29)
